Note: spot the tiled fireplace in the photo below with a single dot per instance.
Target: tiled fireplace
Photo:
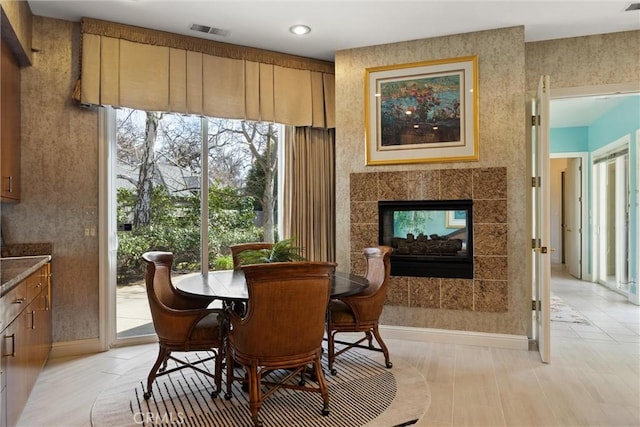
(487, 290)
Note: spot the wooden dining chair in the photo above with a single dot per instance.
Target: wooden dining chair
(361, 312)
(282, 330)
(183, 323)
(241, 247)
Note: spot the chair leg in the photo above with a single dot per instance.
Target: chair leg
(369, 339)
(230, 369)
(385, 351)
(163, 355)
(331, 351)
(218, 371)
(255, 398)
(322, 385)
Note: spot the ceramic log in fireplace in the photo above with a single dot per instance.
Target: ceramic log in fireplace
(430, 238)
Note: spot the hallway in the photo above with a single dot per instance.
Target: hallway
(612, 318)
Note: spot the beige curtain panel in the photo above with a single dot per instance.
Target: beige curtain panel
(134, 67)
(309, 196)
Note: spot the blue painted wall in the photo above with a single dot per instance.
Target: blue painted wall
(569, 140)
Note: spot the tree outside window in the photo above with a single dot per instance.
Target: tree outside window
(159, 169)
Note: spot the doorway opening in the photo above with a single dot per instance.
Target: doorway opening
(569, 178)
(583, 118)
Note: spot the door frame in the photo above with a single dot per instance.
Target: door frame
(108, 241)
(634, 294)
(620, 143)
(586, 198)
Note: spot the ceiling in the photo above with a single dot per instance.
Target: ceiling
(584, 111)
(345, 24)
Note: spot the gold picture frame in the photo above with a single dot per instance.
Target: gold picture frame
(422, 112)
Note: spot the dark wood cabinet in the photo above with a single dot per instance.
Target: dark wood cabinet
(25, 341)
(9, 126)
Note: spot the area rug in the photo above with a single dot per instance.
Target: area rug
(363, 392)
(561, 312)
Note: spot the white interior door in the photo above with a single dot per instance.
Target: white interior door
(573, 217)
(541, 260)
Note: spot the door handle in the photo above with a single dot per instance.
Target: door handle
(544, 249)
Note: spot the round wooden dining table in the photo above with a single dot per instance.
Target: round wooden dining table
(230, 285)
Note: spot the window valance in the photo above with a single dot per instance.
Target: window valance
(156, 71)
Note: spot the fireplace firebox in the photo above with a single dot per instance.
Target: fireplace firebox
(430, 238)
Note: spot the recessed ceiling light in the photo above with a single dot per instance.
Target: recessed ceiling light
(300, 30)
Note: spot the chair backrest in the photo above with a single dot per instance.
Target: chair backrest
(251, 246)
(378, 273)
(163, 300)
(286, 309)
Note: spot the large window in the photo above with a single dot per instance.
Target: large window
(192, 186)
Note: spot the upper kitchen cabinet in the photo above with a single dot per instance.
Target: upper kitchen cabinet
(10, 126)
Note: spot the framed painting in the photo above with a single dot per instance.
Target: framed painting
(422, 112)
(456, 219)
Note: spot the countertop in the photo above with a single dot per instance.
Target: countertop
(15, 269)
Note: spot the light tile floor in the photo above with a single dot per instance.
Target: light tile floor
(593, 378)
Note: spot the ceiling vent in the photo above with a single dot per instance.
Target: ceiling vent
(633, 6)
(209, 30)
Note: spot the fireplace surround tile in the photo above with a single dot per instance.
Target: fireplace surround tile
(490, 267)
(490, 239)
(424, 292)
(490, 211)
(358, 264)
(398, 291)
(363, 186)
(392, 186)
(364, 212)
(457, 294)
(363, 236)
(423, 185)
(456, 184)
(491, 295)
(490, 183)
(487, 187)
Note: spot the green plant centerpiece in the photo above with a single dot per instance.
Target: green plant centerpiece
(281, 251)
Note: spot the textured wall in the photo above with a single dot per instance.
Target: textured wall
(501, 62)
(585, 61)
(59, 178)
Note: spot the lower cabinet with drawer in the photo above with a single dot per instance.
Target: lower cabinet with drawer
(25, 341)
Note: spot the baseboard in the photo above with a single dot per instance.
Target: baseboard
(75, 348)
(486, 339)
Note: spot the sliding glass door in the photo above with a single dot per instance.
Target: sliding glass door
(159, 166)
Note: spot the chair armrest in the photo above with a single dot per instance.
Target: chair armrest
(365, 307)
(176, 322)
